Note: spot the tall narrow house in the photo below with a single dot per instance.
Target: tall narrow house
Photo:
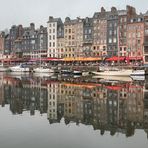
(54, 31)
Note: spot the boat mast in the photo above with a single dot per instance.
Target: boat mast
(118, 44)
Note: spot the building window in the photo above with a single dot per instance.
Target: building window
(89, 31)
(110, 32)
(115, 40)
(129, 35)
(110, 25)
(146, 31)
(138, 34)
(69, 37)
(110, 40)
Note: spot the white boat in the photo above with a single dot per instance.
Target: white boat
(19, 68)
(122, 72)
(43, 70)
(138, 72)
(37, 74)
(138, 77)
(77, 72)
(65, 71)
(113, 78)
(85, 73)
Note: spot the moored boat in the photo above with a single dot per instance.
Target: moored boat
(19, 68)
(140, 72)
(122, 72)
(65, 71)
(113, 78)
(138, 77)
(77, 72)
(43, 70)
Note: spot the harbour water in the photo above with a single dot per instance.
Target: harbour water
(62, 111)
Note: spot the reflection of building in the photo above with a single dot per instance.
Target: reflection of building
(1, 91)
(146, 108)
(135, 104)
(52, 101)
(108, 107)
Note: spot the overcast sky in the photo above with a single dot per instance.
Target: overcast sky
(37, 11)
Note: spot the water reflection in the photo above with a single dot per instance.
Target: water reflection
(107, 106)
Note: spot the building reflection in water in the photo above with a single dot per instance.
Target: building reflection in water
(113, 107)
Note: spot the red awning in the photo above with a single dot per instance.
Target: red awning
(134, 58)
(115, 58)
(114, 87)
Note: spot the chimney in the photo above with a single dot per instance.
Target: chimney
(50, 18)
(102, 9)
(113, 9)
(32, 26)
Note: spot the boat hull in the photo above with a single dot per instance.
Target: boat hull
(138, 73)
(114, 78)
(19, 69)
(76, 72)
(43, 70)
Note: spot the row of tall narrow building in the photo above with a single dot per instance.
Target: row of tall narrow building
(106, 33)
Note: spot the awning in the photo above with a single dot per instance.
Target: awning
(14, 60)
(82, 59)
(88, 85)
(44, 59)
(134, 58)
(115, 58)
(114, 87)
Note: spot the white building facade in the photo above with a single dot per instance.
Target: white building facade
(54, 30)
